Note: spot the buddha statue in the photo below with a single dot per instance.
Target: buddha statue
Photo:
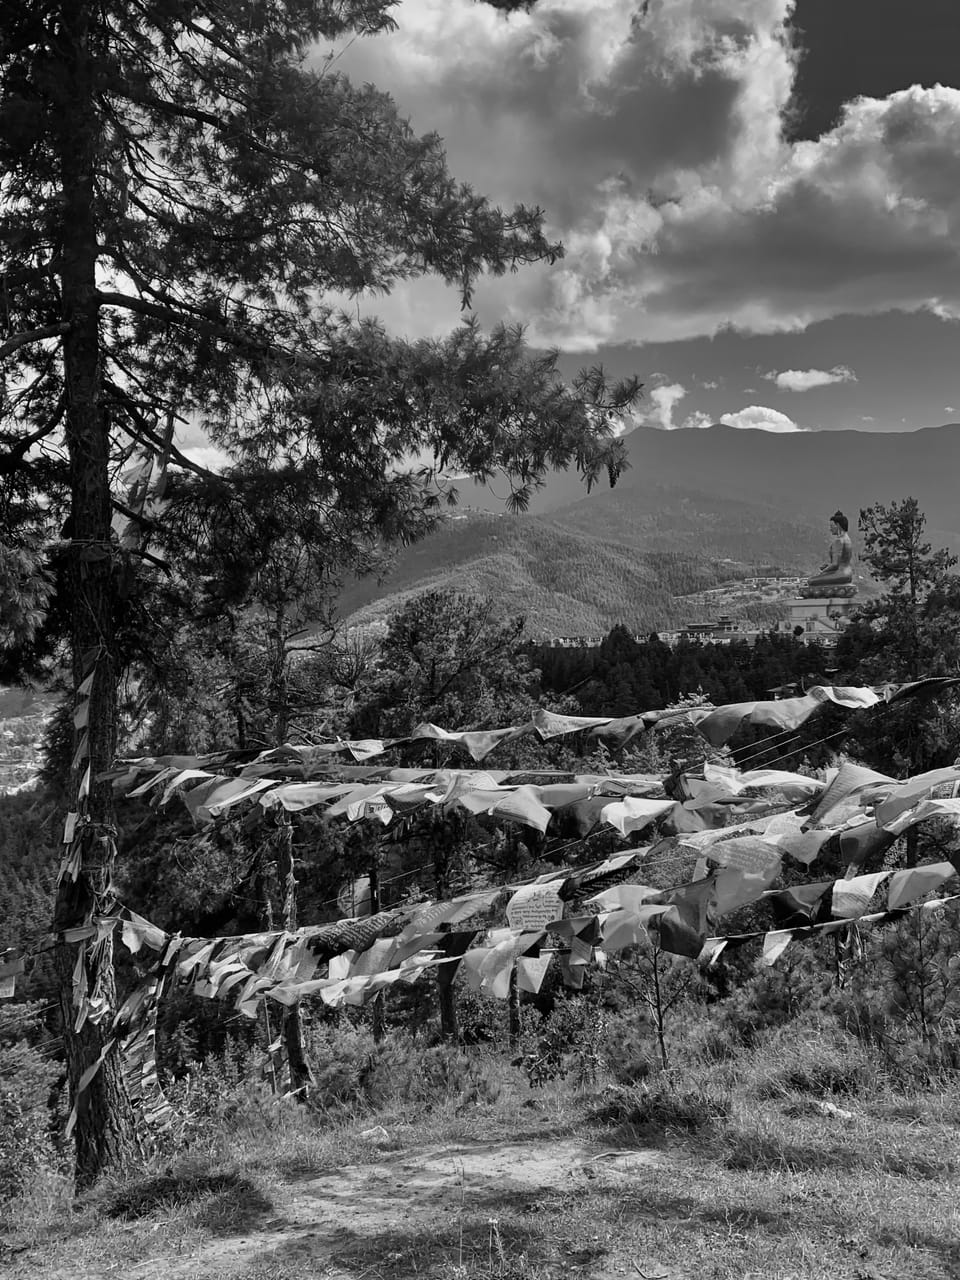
(836, 576)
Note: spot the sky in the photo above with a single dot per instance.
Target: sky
(759, 199)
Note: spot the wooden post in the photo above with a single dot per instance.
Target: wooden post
(516, 1024)
(301, 1076)
(446, 995)
(377, 1010)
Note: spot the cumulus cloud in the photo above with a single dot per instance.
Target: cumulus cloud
(759, 418)
(664, 400)
(654, 141)
(754, 417)
(807, 379)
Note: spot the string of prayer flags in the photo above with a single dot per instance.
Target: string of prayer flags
(634, 813)
(534, 906)
(948, 808)
(840, 800)
(916, 882)
(850, 897)
(716, 724)
(802, 905)
(531, 971)
(902, 796)
(825, 928)
(774, 945)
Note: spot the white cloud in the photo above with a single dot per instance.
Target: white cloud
(655, 144)
(807, 379)
(759, 418)
(665, 398)
(948, 408)
(698, 420)
(754, 417)
(867, 418)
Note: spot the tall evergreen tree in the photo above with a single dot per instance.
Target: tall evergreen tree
(182, 194)
(911, 630)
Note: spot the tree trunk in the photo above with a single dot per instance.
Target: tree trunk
(105, 1133)
(377, 1010)
(911, 853)
(446, 993)
(515, 1020)
(279, 695)
(301, 1077)
(447, 1000)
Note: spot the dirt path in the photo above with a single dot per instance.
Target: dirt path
(427, 1212)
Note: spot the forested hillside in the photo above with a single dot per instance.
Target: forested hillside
(656, 517)
(694, 506)
(565, 582)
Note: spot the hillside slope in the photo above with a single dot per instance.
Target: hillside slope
(694, 508)
(565, 581)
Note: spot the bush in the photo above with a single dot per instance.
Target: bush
(816, 1057)
(664, 1105)
(569, 1041)
(213, 1094)
(628, 1049)
(411, 1072)
(342, 1057)
(27, 1080)
(904, 998)
(770, 998)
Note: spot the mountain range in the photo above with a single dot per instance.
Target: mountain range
(694, 509)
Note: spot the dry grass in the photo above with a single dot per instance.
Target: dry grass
(720, 1172)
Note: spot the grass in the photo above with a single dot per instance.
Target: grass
(728, 1171)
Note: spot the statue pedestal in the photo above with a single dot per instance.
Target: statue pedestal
(820, 617)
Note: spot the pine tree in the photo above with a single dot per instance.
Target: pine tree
(182, 194)
(908, 632)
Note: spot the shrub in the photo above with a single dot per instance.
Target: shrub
(904, 998)
(570, 1040)
(213, 1094)
(770, 998)
(665, 1104)
(27, 1080)
(813, 1056)
(628, 1049)
(408, 1071)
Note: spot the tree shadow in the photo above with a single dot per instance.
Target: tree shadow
(754, 1153)
(498, 1233)
(656, 1208)
(232, 1203)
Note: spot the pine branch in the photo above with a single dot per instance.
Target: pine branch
(211, 328)
(12, 459)
(33, 335)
